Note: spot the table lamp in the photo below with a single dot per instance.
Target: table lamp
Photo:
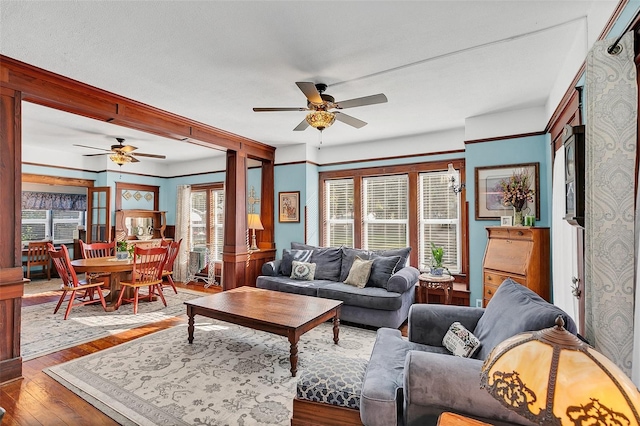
(253, 223)
(551, 377)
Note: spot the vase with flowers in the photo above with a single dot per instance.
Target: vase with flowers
(516, 191)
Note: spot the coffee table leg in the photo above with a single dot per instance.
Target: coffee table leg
(336, 329)
(293, 357)
(190, 328)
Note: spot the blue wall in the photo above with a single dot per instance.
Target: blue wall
(287, 178)
(497, 153)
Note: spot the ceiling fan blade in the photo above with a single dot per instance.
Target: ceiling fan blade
(92, 147)
(126, 148)
(279, 109)
(310, 91)
(351, 121)
(367, 100)
(140, 154)
(302, 126)
(94, 155)
(133, 159)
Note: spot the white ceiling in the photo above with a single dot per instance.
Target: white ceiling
(438, 62)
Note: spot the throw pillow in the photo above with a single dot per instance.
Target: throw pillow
(328, 259)
(460, 341)
(302, 270)
(288, 256)
(359, 273)
(349, 254)
(382, 269)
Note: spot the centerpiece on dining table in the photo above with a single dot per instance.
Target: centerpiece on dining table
(516, 192)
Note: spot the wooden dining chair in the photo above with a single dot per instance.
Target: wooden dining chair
(70, 282)
(93, 250)
(37, 255)
(173, 248)
(147, 272)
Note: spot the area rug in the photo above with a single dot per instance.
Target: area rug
(44, 332)
(230, 375)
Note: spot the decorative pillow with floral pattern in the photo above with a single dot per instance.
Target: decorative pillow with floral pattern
(460, 341)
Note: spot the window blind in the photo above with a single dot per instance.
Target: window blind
(385, 212)
(339, 212)
(439, 220)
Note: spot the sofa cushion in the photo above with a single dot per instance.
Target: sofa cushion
(288, 256)
(460, 341)
(328, 260)
(368, 297)
(302, 270)
(359, 273)
(289, 285)
(332, 380)
(349, 254)
(382, 387)
(514, 309)
(382, 269)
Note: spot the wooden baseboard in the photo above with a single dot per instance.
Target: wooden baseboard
(308, 413)
(10, 369)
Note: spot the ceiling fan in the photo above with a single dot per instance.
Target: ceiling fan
(120, 153)
(320, 105)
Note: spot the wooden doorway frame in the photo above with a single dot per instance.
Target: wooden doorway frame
(23, 82)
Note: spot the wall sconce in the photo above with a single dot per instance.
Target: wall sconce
(253, 223)
(453, 178)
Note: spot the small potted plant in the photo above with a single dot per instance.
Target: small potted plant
(437, 255)
(122, 250)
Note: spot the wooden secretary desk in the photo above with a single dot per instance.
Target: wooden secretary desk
(521, 253)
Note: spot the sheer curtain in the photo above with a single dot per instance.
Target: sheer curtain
(564, 243)
(183, 230)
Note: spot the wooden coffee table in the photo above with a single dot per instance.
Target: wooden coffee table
(284, 314)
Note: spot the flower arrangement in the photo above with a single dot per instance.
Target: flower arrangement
(516, 190)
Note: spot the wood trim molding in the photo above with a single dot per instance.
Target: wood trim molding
(501, 138)
(122, 186)
(56, 91)
(57, 180)
(398, 157)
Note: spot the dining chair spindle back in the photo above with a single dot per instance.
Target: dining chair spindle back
(70, 282)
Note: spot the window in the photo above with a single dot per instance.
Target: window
(207, 219)
(339, 208)
(58, 225)
(396, 206)
(439, 220)
(385, 212)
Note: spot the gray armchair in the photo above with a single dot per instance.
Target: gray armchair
(412, 381)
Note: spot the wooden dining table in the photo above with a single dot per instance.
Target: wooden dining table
(117, 268)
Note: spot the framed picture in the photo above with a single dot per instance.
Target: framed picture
(506, 220)
(289, 206)
(489, 195)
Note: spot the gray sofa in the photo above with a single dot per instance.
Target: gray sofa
(383, 302)
(412, 381)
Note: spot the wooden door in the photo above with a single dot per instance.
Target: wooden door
(98, 214)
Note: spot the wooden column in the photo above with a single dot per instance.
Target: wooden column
(11, 279)
(234, 255)
(266, 240)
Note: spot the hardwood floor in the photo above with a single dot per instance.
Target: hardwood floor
(37, 399)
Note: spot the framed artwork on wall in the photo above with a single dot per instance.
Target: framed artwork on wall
(289, 206)
(489, 195)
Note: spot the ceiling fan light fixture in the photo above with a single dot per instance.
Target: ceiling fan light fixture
(120, 158)
(320, 119)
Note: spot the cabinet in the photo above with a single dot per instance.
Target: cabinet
(520, 253)
(128, 222)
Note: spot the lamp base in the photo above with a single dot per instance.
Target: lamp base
(254, 246)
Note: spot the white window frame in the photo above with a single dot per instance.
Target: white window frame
(333, 221)
(79, 220)
(425, 246)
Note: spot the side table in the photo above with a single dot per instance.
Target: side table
(428, 281)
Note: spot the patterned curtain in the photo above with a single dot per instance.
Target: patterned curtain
(53, 201)
(611, 116)
(183, 230)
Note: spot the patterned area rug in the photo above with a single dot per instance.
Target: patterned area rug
(44, 332)
(230, 375)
